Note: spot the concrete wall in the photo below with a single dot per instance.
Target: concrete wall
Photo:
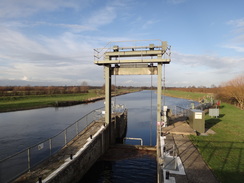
(98, 145)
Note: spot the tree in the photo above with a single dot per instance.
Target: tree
(233, 91)
(84, 88)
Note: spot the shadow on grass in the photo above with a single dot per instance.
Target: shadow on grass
(209, 123)
(226, 158)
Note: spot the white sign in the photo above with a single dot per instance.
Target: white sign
(198, 115)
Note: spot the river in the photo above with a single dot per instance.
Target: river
(21, 129)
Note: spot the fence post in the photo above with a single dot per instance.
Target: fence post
(50, 146)
(29, 160)
(65, 136)
(76, 127)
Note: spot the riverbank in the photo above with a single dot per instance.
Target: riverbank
(17, 103)
(223, 150)
(187, 95)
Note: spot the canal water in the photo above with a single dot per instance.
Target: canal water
(21, 129)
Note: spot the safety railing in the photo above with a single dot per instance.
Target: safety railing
(131, 138)
(99, 53)
(19, 163)
(179, 111)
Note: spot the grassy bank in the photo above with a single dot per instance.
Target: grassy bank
(14, 103)
(223, 151)
(186, 95)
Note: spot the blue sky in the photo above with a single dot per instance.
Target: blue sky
(51, 42)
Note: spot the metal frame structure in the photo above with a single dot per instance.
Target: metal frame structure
(134, 60)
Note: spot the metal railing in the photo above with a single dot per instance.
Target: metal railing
(131, 138)
(19, 163)
(184, 111)
(179, 111)
(99, 53)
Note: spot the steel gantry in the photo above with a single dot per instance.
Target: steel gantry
(136, 59)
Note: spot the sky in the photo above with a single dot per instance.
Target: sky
(51, 42)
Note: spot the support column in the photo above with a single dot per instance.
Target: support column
(159, 105)
(159, 93)
(107, 70)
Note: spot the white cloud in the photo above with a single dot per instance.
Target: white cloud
(236, 43)
(207, 61)
(25, 78)
(176, 1)
(24, 8)
(66, 58)
(149, 23)
(106, 14)
(237, 22)
(236, 48)
(189, 69)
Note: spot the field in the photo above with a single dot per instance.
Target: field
(13, 103)
(186, 95)
(223, 151)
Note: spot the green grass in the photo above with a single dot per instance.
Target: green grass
(185, 95)
(28, 102)
(14, 103)
(224, 151)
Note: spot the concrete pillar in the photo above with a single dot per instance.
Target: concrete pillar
(159, 105)
(107, 69)
(159, 93)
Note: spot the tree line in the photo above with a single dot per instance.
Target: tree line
(41, 90)
(231, 91)
(50, 90)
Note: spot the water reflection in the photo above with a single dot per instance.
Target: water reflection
(141, 123)
(135, 170)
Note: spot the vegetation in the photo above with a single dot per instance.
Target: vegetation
(31, 98)
(42, 90)
(187, 95)
(223, 151)
(233, 92)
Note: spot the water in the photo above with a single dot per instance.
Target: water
(141, 169)
(142, 124)
(21, 129)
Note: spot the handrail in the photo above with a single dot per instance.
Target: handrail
(132, 138)
(15, 165)
(23, 161)
(48, 138)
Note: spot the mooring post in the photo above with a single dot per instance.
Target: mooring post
(29, 159)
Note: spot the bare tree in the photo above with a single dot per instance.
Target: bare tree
(84, 88)
(233, 91)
